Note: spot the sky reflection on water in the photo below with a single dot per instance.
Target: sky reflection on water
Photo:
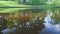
(49, 27)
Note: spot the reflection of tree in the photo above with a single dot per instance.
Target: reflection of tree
(24, 1)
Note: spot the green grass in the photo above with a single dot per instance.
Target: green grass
(8, 3)
(14, 3)
(11, 3)
(9, 10)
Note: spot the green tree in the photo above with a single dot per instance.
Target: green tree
(37, 2)
(33, 2)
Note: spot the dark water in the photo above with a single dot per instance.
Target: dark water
(50, 27)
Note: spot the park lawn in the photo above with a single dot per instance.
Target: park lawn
(9, 10)
(11, 3)
(16, 4)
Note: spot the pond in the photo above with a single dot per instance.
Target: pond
(51, 19)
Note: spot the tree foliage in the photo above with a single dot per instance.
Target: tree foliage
(37, 2)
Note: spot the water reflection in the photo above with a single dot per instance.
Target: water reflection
(6, 31)
(50, 25)
(50, 28)
(26, 26)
